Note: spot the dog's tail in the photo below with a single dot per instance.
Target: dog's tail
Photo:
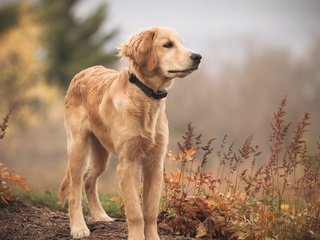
(64, 188)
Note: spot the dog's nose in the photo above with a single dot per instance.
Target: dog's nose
(196, 57)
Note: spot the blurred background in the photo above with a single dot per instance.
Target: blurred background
(255, 53)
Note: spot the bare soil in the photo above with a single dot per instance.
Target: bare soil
(20, 220)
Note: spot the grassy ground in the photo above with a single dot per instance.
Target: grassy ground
(50, 199)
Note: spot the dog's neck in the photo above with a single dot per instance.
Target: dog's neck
(153, 80)
(147, 90)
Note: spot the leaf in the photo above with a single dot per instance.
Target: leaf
(116, 199)
(201, 231)
(165, 226)
(219, 219)
(190, 152)
(211, 202)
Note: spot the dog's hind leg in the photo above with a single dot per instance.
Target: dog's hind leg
(98, 162)
(77, 151)
(64, 188)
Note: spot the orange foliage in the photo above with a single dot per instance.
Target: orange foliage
(279, 199)
(8, 175)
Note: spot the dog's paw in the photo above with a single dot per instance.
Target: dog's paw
(137, 235)
(102, 217)
(153, 237)
(80, 232)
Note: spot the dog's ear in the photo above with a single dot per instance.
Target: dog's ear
(140, 49)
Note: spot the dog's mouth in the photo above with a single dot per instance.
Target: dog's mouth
(184, 70)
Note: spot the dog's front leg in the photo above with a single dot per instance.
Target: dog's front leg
(153, 175)
(129, 175)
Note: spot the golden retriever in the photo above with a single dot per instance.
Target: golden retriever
(123, 113)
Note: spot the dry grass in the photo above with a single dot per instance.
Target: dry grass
(279, 199)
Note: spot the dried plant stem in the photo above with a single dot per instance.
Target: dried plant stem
(191, 172)
(182, 168)
(4, 124)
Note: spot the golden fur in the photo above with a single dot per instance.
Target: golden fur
(105, 113)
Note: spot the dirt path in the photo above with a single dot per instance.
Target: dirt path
(20, 220)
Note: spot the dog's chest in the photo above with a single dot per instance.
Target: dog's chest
(147, 116)
(126, 121)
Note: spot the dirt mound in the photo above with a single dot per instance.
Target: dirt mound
(20, 220)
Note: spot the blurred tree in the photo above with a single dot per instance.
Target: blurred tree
(73, 44)
(22, 86)
(8, 17)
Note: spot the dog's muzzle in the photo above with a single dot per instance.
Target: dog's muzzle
(195, 61)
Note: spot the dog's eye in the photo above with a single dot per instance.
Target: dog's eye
(168, 45)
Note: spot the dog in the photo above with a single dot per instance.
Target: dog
(123, 113)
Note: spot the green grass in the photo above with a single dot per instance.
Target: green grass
(50, 200)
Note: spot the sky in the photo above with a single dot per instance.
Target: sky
(289, 23)
(224, 23)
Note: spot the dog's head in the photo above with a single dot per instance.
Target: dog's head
(159, 50)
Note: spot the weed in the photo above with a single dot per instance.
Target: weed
(4, 125)
(7, 175)
(242, 199)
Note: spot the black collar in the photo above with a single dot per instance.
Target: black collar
(148, 91)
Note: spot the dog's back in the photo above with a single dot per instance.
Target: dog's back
(89, 86)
